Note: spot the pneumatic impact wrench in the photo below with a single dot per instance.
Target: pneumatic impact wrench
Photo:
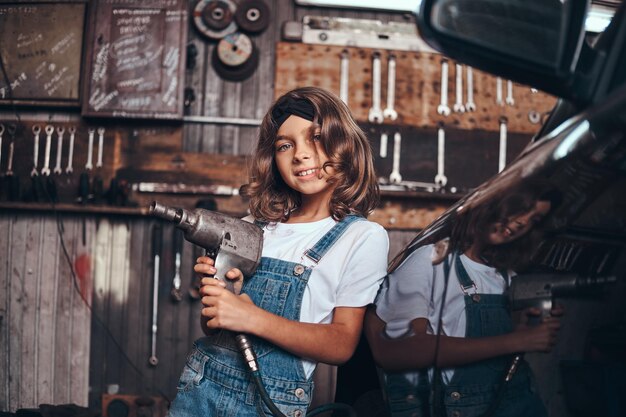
(232, 243)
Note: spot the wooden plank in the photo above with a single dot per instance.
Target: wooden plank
(418, 86)
(6, 229)
(46, 309)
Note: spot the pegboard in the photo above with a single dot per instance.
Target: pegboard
(418, 87)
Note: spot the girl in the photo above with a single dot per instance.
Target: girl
(312, 183)
(470, 357)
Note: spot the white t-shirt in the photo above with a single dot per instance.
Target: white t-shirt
(348, 275)
(415, 290)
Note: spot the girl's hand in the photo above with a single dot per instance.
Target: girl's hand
(223, 309)
(205, 267)
(539, 337)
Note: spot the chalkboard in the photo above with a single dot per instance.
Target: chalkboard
(136, 55)
(41, 46)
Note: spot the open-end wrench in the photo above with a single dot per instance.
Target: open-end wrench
(499, 100)
(395, 176)
(440, 179)
(36, 131)
(503, 142)
(176, 293)
(100, 145)
(470, 105)
(89, 164)
(60, 131)
(458, 105)
(9, 171)
(376, 113)
(390, 112)
(509, 93)
(69, 169)
(383, 145)
(443, 108)
(344, 74)
(1, 132)
(46, 158)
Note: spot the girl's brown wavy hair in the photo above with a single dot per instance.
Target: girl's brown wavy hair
(349, 155)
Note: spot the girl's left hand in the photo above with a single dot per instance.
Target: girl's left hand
(222, 308)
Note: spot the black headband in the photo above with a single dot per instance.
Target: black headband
(298, 107)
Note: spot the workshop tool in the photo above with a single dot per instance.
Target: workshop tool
(231, 242)
(503, 143)
(390, 112)
(443, 108)
(1, 132)
(499, 100)
(383, 144)
(60, 131)
(70, 157)
(395, 177)
(156, 256)
(470, 105)
(344, 74)
(13, 179)
(440, 179)
(376, 113)
(83, 181)
(215, 19)
(458, 105)
(98, 183)
(176, 293)
(37, 187)
(235, 57)
(509, 93)
(49, 129)
(252, 15)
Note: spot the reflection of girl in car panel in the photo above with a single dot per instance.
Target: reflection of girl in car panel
(477, 338)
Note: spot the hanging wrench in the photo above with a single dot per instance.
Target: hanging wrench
(509, 93)
(89, 165)
(470, 105)
(503, 141)
(36, 130)
(343, 80)
(383, 145)
(389, 111)
(60, 132)
(395, 177)
(46, 158)
(458, 105)
(443, 107)
(156, 253)
(11, 130)
(499, 100)
(70, 157)
(440, 179)
(376, 114)
(176, 293)
(100, 143)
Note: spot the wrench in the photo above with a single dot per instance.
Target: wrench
(376, 114)
(458, 105)
(176, 281)
(60, 132)
(156, 253)
(36, 130)
(46, 161)
(509, 93)
(395, 177)
(389, 111)
(470, 105)
(443, 107)
(9, 172)
(89, 165)
(440, 179)
(343, 80)
(70, 157)
(100, 143)
(1, 132)
(503, 141)
(499, 101)
(383, 145)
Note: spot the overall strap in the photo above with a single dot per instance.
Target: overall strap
(328, 240)
(462, 275)
(261, 223)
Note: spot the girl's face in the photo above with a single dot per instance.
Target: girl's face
(518, 225)
(299, 156)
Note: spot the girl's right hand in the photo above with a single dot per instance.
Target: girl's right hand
(539, 337)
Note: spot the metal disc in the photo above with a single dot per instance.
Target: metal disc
(252, 15)
(214, 18)
(235, 57)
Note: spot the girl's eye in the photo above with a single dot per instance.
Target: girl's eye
(282, 147)
(317, 137)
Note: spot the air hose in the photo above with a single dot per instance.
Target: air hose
(245, 347)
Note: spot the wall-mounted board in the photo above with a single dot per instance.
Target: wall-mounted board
(136, 56)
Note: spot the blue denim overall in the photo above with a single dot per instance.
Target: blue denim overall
(473, 387)
(215, 381)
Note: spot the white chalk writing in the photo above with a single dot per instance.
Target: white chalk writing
(100, 65)
(4, 91)
(27, 39)
(64, 44)
(99, 99)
